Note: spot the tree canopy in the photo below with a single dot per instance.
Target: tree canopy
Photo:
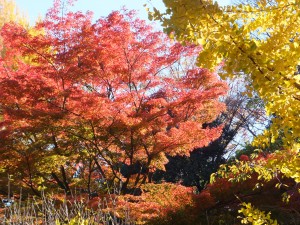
(92, 98)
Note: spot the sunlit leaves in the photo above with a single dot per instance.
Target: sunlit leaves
(260, 40)
(96, 97)
(255, 216)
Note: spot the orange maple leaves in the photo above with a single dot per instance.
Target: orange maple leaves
(104, 91)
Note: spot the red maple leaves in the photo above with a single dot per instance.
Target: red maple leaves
(104, 92)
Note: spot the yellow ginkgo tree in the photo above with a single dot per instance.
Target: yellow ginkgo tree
(10, 12)
(261, 40)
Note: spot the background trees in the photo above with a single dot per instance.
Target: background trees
(243, 120)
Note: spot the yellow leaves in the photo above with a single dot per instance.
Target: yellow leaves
(159, 161)
(286, 197)
(238, 172)
(263, 173)
(254, 216)
(9, 12)
(201, 41)
(51, 163)
(207, 60)
(261, 41)
(287, 162)
(295, 45)
(77, 220)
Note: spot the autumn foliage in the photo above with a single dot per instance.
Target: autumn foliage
(96, 107)
(84, 101)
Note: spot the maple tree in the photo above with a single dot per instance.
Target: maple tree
(260, 40)
(82, 99)
(10, 12)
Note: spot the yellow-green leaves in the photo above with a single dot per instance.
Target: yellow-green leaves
(286, 162)
(254, 216)
(77, 220)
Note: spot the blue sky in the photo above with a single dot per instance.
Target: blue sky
(34, 8)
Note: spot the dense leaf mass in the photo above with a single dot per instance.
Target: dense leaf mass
(80, 100)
